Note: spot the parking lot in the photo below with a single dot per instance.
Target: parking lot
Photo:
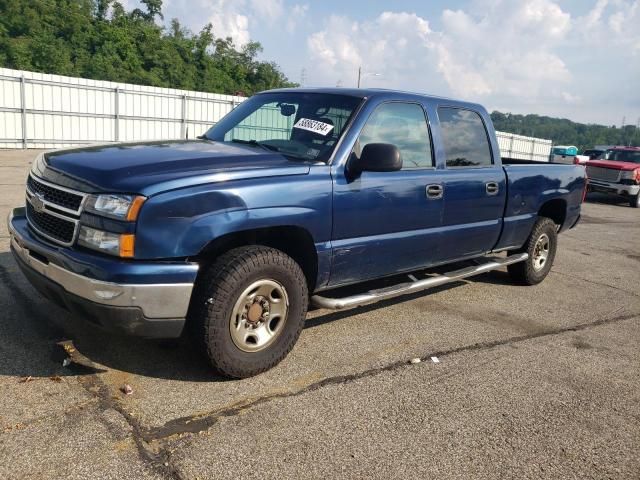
(532, 382)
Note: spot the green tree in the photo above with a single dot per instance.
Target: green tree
(99, 39)
(565, 132)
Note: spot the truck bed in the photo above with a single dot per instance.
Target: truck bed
(531, 184)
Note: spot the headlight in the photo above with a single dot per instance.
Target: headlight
(121, 207)
(120, 245)
(633, 175)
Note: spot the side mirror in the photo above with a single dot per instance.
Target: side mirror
(377, 157)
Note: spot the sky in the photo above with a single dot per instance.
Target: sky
(577, 59)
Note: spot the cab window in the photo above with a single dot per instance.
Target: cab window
(464, 138)
(403, 125)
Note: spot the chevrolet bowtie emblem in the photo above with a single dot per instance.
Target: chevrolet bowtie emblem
(37, 202)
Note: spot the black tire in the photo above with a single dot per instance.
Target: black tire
(219, 289)
(527, 273)
(634, 201)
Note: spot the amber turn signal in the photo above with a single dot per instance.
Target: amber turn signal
(134, 209)
(127, 243)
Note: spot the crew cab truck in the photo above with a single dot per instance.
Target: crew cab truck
(616, 171)
(294, 193)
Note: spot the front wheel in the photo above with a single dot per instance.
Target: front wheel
(634, 201)
(248, 310)
(541, 247)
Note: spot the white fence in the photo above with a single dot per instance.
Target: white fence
(524, 148)
(39, 110)
(50, 111)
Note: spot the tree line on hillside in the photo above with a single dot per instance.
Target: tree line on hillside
(566, 132)
(99, 39)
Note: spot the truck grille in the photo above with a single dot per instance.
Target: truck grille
(52, 211)
(605, 174)
(57, 196)
(54, 228)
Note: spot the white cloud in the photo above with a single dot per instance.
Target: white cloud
(593, 18)
(295, 16)
(508, 51)
(612, 22)
(235, 18)
(396, 45)
(228, 18)
(570, 98)
(624, 23)
(269, 10)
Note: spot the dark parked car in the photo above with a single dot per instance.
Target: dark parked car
(593, 153)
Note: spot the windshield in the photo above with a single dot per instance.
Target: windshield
(304, 126)
(621, 156)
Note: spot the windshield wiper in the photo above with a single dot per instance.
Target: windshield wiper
(256, 143)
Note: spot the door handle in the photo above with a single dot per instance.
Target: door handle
(492, 188)
(434, 191)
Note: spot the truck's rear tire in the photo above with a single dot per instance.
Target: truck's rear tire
(541, 247)
(248, 310)
(634, 201)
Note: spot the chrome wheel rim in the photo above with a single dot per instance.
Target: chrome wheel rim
(259, 315)
(541, 252)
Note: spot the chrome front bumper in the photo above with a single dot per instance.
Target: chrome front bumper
(155, 301)
(133, 308)
(617, 188)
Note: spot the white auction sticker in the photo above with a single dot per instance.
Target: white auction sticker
(313, 126)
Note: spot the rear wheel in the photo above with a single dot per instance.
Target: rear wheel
(248, 310)
(541, 247)
(635, 200)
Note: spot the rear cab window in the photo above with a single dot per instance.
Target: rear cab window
(465, 139)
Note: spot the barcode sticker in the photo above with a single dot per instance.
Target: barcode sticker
(314, 126)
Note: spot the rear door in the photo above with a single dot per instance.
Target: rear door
(474, 185)
(384, 222)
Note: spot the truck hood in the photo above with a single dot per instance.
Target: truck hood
(152, 167)
(613, 164)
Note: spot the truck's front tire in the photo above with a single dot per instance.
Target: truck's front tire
(634, 200)
(541, 247)
(248, 310)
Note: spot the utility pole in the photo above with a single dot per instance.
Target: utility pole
(303, 77)
(360, 75)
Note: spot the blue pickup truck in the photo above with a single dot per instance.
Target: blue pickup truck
(293, 194)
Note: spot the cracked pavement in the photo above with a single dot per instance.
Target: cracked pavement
(533, 382)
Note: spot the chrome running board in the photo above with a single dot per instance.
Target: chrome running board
(415, 285)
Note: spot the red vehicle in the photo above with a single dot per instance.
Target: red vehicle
(617, 171)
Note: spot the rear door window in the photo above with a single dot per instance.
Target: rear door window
(465, 139)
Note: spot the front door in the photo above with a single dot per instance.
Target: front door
(388, 222)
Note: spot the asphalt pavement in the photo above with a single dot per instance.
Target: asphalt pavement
(531, 382)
